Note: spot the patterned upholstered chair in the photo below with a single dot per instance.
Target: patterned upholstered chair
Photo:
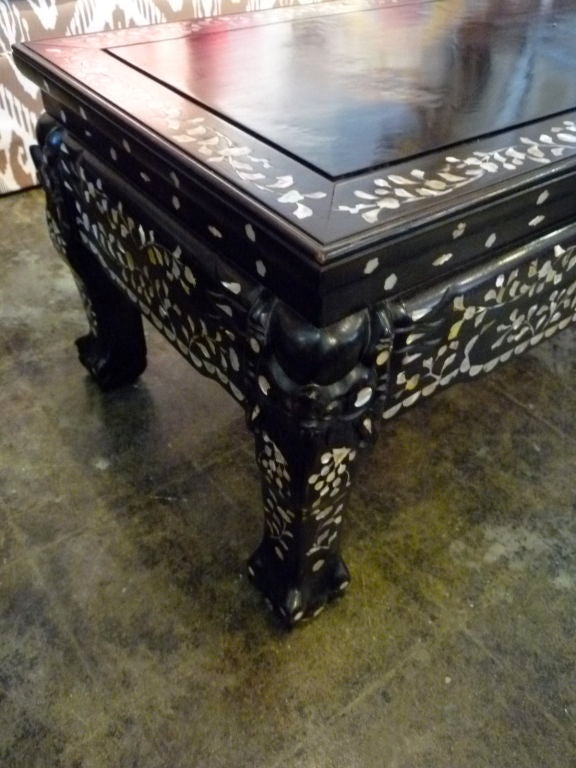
(20, 20)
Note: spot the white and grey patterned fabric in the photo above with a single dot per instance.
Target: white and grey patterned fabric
(20, 20)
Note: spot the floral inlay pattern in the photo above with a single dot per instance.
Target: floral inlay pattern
(279, 517)
(333, 477)
(392, 191)
(331, 484)
(326, 492)
(514, 311)
(216, 148)
(158, 279)
(315, 203)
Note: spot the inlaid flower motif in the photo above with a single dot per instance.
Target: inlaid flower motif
(392, 191)
(158, 279)
(217, 148)
(518, 309)
(279, 517)
(334, 475)
(329, 485)
(273, 464)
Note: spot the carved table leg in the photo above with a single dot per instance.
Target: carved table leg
(319, 396)
(114, 350)
(305, 485)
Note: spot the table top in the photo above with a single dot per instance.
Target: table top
(349, 92)
(345, 123)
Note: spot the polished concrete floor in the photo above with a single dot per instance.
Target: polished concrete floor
(130, 637)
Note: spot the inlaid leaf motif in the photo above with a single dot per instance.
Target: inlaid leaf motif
(157, 279)
(279, 517)
(293, 196)
(459, 172)
(282, 182)
(218, 148)
(516, 310)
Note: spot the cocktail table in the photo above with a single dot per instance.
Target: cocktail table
(334, 210)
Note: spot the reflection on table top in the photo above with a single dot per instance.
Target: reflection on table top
(348, 92)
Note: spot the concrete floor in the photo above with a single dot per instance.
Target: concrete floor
(130, 637)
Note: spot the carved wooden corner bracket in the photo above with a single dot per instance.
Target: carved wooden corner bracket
(322, 379)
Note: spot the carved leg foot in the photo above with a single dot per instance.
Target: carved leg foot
(110, 367)
(298, 566)
(298, 596)
(114, 351)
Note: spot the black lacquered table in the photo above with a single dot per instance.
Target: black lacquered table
(334, 210)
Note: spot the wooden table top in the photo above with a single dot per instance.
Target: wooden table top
(345, 124)
(349, 92)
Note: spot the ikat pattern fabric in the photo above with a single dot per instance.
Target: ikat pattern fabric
(21, 20)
